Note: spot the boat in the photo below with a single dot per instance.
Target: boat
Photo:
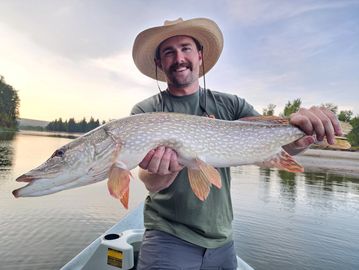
(118, 247)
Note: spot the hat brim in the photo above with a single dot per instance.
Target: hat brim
(204, 30)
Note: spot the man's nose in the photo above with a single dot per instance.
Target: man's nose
(179, 57)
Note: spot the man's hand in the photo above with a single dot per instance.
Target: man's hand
(162, 161)
(159, 168)
(317, 123)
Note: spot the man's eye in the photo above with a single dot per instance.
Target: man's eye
(166, 53)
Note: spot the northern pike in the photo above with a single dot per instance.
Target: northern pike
(202, 144)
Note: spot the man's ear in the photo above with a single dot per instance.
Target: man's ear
(158, 63)
(200, 56)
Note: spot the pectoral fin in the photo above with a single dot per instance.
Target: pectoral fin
(282, 161)
(202, 177)
(119, 184)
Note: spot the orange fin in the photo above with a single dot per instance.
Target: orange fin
(201, 179)
(267, 119)
(119, 184)
(199, 183)
(210, 172)
(282, 161)
(341, 143)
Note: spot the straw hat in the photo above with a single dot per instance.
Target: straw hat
(204, 30)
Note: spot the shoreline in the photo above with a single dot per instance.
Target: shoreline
(337, 162)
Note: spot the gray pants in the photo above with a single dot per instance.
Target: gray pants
(161, 250)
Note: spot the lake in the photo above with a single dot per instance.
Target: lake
(282, 220)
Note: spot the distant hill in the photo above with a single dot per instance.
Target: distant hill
(24, 122)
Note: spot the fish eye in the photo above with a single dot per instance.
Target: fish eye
(58, 153)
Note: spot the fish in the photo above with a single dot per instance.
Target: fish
(202, 144)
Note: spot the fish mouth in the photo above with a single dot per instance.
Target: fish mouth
(25, 178)
(16, 193)
(39, 185)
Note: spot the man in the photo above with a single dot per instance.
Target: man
(181, 231)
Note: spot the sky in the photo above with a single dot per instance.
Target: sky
(74, 58)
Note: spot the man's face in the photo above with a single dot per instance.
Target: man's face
(180, 60)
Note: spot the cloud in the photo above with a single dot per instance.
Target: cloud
(262, 12)
(78, 29)
(122, 65)
(275, 51)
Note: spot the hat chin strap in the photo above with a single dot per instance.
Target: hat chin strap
(159, 88)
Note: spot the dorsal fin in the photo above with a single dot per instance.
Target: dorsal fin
(271, 119)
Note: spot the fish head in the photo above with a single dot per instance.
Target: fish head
(69, 166)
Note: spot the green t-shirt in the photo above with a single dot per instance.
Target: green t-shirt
(176, 210)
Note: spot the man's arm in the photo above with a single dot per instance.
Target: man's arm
(316, 123)
(159, 168)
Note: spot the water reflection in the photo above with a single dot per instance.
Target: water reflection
(51, 134)
(266, 173)
(288, 187)
(330, 182)
(7, 136)
(296, 221)
(6, 150)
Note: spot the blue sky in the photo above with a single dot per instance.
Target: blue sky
(73, 58)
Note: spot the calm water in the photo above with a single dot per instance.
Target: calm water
(282, 220)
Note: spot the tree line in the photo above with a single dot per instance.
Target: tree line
(9, 105)
(344, 115)
(10, 102)
(72, 126)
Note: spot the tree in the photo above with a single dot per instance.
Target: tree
(353, 136)
(330, 106)
(292, 107)
(269, 110)
(72, 126)
(9, 105)
(345, 115)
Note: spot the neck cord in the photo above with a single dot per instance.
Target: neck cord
(159, 88)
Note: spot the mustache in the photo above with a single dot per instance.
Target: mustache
(180, 65)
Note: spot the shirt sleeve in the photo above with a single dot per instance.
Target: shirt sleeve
(244, 109)
(145, 106)
(137, 109)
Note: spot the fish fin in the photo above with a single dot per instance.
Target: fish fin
(199, 183)
(266, 119)
(116, 152)
(282, 161)
(346, 127)
(119, 184)
(202, 178)
(341, 143)
(210, 172)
